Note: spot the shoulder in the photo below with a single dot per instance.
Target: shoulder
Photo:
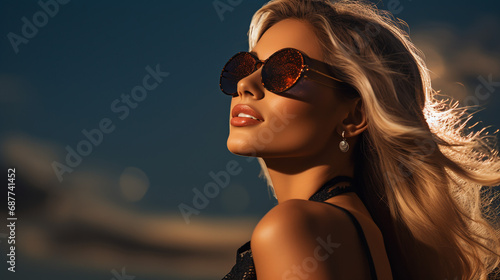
(302, 216)
(304, 237)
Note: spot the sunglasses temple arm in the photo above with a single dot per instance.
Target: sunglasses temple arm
(317, 81)
(323, 74)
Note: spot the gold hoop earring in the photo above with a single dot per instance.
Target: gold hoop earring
(344, 146)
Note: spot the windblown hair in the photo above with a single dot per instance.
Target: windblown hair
(423, 174)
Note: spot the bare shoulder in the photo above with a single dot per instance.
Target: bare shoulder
(301, 216)
(301, 238)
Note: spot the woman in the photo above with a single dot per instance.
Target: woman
(375, 177)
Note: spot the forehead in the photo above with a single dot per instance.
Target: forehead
(289, 33)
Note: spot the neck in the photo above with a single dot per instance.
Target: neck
(301, 177)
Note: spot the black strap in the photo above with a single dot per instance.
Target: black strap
(362, 237)
(325, 193)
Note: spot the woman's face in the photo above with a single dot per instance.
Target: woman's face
(300, 122)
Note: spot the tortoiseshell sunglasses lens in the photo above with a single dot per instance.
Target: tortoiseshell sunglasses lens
(282, 70)
(238, 67)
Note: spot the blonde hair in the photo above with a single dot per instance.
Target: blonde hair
(420, 170)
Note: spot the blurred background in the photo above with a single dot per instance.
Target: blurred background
(111, 115)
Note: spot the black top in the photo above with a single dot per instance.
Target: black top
(244, 267)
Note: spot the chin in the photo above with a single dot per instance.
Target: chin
(239, 146)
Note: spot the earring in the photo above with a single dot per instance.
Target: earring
(344, 146)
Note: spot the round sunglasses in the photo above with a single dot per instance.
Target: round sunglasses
(280, 72)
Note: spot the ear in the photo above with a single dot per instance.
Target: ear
(355, 122)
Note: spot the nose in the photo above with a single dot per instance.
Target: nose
(251, 85)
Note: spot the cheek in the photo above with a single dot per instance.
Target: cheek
(292, 127)
(308, 128)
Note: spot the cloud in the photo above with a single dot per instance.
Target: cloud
(456, 58)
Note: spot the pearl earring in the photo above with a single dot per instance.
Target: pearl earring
(344, 146)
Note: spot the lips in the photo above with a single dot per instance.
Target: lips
(245, 120)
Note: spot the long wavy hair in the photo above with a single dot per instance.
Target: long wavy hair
(425, 176)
